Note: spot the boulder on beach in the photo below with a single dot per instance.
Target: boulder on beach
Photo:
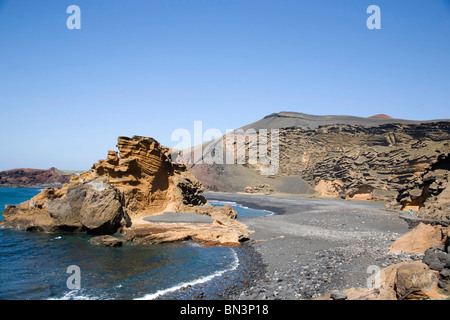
(419, 239)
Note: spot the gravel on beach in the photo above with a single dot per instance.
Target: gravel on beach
(308, 248)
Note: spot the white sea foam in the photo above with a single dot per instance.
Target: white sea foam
(233, 267)
(76, 295)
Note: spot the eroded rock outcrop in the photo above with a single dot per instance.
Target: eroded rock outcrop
(339, 156)
(419, 239)
(107, 241)
(428, 193)
(93, 206)
(139, 180)
(147, 178)
(225, 229)
(357, 162)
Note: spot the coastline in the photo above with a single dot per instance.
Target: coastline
(223, 285)
(308, 248)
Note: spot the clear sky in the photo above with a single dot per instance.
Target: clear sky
(148, 67)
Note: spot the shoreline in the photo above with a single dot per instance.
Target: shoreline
(230, 283)
(308, 248)
(296, 255)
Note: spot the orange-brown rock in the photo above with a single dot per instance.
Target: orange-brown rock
(330, 188)
(224, 230)
(415, 281)
(140, 180)
(419, 239)
(148, 179)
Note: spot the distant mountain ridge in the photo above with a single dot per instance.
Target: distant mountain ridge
(286, 119)
(25, 177)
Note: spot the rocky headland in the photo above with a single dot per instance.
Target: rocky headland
(33, 178)
(113, 197)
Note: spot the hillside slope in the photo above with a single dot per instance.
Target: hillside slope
(33, 178)
(341, 156)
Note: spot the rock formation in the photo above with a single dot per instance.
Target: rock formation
(107, 241)
(33, 178)
(364, 163)
(428, 193)
(147, 179)
(139, 180)
(92, 205)
(419, 239)
(224, 230)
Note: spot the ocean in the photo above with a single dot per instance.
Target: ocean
(39, 266)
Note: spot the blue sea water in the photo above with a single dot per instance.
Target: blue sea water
(241, 210)
(35, 265)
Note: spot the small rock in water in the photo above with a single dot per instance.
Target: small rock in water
(108, 241)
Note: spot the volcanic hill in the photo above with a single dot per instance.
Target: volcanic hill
(375, 158)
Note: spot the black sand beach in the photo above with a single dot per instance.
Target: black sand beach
(308, 248)
(312, 245)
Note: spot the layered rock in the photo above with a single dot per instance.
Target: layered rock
(139, 180)
(358, 162)
(147, 178)
(354, 158)
(224, 230)
(428, 194)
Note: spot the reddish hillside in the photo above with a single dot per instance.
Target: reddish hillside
(33, 178)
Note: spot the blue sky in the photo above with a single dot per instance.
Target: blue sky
(148, 67)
